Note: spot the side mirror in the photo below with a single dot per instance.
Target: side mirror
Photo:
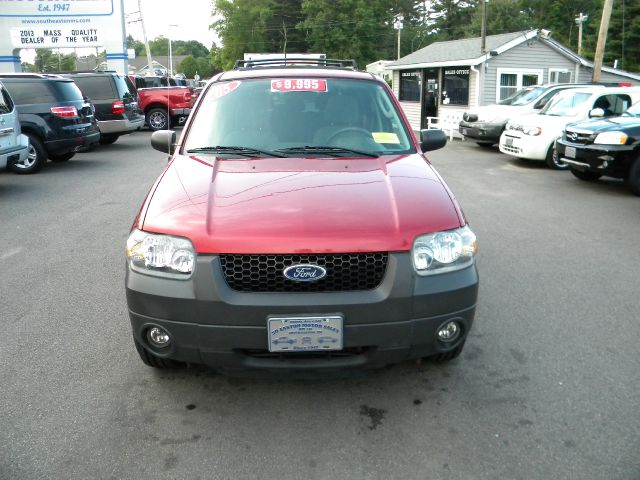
(596, 113)
(164, 141)
(432, 139)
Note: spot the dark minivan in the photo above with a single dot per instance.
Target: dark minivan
(55, 116)
(116, 107)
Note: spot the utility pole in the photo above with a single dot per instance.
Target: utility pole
(398, 26)
(602, 40)
(144, 36)
(483, 34)
(580, 19)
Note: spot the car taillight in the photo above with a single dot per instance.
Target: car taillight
(187, 97)
(117, 108)
(67, 112)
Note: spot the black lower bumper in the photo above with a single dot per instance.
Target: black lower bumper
(609, 160)
(211, 324)
(73, 144)
(481, 132)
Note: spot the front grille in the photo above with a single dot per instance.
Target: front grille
(264, 273)
(579, 137)
(511, 149)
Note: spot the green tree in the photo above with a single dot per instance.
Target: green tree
(48, 60)
(623, 39)
(189, 47)
(204, 67)
(159, 46)
(257, 26)
(137, 45)
(188, 66)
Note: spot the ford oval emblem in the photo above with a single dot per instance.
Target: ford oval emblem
(304, 273)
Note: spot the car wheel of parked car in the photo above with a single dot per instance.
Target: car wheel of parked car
(485, 144)
(158, 119)
(151, 360)
(36, 157)
(446, 356)
(586, 176)
(61, 158)
(553, 160)
(633, 177)
(108, 139)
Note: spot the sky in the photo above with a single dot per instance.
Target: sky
(190, 17)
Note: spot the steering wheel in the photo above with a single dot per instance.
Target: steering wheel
(359, 130)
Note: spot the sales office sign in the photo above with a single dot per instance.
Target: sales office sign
(56, 37)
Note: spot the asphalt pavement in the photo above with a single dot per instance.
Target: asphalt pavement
(547, 387)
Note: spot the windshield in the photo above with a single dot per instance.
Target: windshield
(298, 116)
(566, 105)
(633, 110)
(523, 97)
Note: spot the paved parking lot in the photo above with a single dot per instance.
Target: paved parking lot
(547, 387)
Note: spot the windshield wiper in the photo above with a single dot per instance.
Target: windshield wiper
(243, 151)
(330, 150)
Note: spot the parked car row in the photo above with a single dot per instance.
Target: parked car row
(53, 116)
(592, 130)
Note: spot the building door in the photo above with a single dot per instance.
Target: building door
(430, 96)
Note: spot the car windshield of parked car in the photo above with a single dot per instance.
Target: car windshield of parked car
(568, 105)
(633, 110)
(528, 96)
(311, 117)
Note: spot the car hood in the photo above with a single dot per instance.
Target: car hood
(499, 113)
(606, 124)
(546, 122)
(298, 205)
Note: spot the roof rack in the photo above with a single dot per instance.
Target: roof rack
(296, 62)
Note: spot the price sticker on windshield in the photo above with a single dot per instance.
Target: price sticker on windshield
(299, 85)
(222, 89)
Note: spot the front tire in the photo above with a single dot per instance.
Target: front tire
(553, 160)
(633, 177)
(36, 157)
(586, 176)
(158, 119)
(152, 360)
(450, 355)
(108, 139)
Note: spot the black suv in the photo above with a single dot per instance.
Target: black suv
(604, 147)
(55, 116)
(116, 107)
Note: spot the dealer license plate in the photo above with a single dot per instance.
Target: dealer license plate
(508, 141)
(463, 131)
(570, 152)
(305, 334)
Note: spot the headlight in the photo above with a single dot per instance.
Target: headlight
(533, 131)
(446, 251)
(160, 255)
(612, 138)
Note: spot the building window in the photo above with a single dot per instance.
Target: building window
(557, 75)
(510, 81)
(455, 88)
(410, 85)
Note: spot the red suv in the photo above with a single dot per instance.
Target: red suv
(299, 225)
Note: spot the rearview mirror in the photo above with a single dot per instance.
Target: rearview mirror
(164, 141)
(596, 113)
(432, 139)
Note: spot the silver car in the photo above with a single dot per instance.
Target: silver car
(14, 146)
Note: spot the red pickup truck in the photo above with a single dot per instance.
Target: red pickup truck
(165, 106)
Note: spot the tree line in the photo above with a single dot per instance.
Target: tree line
(364, 29)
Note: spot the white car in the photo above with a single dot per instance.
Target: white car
(534, 136)
(14, 147)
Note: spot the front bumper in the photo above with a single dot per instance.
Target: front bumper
(481, 131)
(15, 154)
(212, 324)
(120, 127)
(609, 160)
(520, 145)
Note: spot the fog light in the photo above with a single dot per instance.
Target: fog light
(158, 337)
(449, 332)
